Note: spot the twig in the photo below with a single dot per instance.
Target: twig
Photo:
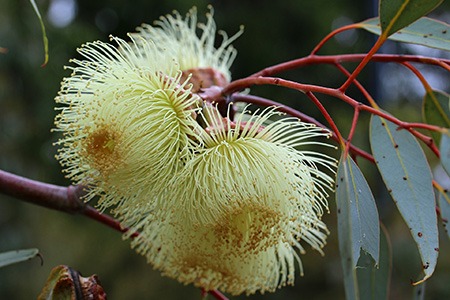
(343, 58)
(66, 199)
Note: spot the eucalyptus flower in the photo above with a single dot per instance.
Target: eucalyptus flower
(196, 54)
(243, 205)
(219, 203)
(127, 120)
(128, 110)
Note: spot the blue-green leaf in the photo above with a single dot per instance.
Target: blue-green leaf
(419, 291)
(435, 111)
(15, 256)
(397, 14)
(407, 176)
(444, 205)
(358, 224)
(374, 282)
(445, 152)
(425, 31)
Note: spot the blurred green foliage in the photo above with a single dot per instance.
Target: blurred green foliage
(273, 33)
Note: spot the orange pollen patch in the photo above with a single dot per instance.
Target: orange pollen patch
(252, 229)
(101, 149)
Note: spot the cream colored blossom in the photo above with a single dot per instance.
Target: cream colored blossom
(248, 199)
(128, 110)
(219, 203)
(248, 162)
(178, 38)
(127, 124)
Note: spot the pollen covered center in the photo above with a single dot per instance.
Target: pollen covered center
(101, 150)
(251, 229)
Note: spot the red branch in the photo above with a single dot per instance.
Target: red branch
(309, 89)
(326, 116)
(352, 129)
(48, 195)
(332, 34)
(107, 220)
(346, 58)
(367, 58)
(419, 75)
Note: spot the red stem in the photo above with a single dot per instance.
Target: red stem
(352, 129)
(419, 75)
(107, 220)
(51, 196)
(280, 107)
(363, 63)
(332, 34)
(361, 88)
(407, 126)
(244, 83)
(65, 199)
(326, 116)
(309, 89)
(218, 295)
(342, 58)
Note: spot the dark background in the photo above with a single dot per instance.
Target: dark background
(273, 33)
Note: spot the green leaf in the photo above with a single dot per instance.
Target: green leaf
(445, 152)
(397, 14)
(358, 224)
(373, 283)
(444, 205)
(435, 111)
(44, 34)
(15, 256)
(419, 291)
(425, 31)
(407, 176)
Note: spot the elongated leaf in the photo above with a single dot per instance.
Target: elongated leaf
(407, 176)
(397, 14)
(425, 31)
(358, 224)
(374, 282)
(445, 152)
(44, 34)
(435, 111)
(444, 205)
(12, 257)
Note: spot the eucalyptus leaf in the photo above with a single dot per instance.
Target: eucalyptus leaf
(373, 282)
(358, 222)
(444, 205)
(435, 111)
(425, 31)
(407, 176)
(16, 256)
(397, 14)
(445, 152)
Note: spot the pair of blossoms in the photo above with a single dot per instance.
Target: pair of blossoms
(220, 203)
